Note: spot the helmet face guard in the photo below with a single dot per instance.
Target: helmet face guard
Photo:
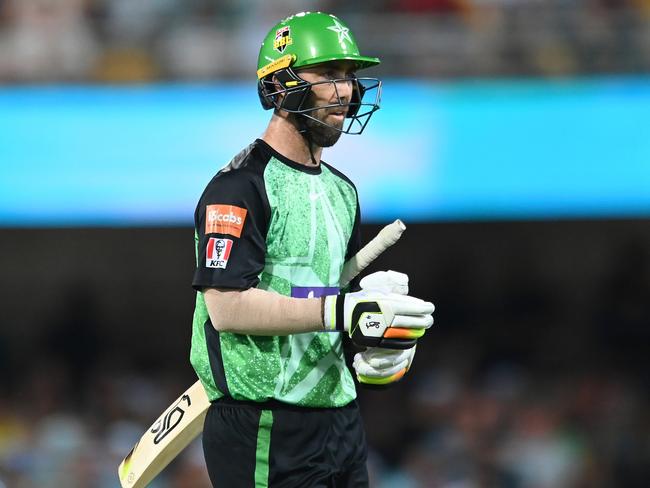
(285, 90)
(308, 39)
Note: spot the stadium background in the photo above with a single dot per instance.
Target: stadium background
(513, 141)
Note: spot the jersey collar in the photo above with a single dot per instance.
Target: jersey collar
(312, 170)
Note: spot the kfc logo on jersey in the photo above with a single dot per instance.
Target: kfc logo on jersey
(224, 219)
(218, 253)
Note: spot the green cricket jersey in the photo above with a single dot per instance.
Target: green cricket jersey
(265, 221)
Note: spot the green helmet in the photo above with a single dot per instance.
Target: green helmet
(307, 39)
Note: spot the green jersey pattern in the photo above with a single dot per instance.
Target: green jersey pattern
(199, 347)
(312, 217)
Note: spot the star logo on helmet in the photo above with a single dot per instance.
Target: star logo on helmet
(343, 32)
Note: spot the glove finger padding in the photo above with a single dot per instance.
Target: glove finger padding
(406, 305)
(365, 369)
(380, 358)
(372, 381)
(412, 321)
(378, 366)
(386, 282)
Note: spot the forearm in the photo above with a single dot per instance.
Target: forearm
(260, 312)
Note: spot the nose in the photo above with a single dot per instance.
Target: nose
(344, 90)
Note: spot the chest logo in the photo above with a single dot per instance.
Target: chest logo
(315, 196)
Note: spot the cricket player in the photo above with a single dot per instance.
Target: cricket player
(273, 230)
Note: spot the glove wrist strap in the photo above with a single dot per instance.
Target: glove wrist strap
(333, 317)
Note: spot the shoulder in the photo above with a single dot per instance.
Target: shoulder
(244, 171)
(340, 175)
(248, 163)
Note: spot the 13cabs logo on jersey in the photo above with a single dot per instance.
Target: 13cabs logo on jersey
(218, 253)
(224, 219)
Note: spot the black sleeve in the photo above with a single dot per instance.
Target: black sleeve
(231, 222)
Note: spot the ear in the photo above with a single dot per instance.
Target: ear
(267, 89)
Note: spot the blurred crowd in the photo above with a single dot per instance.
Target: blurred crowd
(147, 40)
(61, 431)
(507, 427)
(497, 426)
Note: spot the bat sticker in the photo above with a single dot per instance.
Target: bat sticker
(171, 419)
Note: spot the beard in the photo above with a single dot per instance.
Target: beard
(320, 132)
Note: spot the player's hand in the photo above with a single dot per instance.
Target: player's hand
(378, 366)
(378, 319)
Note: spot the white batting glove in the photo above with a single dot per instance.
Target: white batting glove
(377, 319)
(377, 365)
(380, 366)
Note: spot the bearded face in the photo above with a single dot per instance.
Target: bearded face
(326, 125)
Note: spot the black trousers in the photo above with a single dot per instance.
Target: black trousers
(248, 444)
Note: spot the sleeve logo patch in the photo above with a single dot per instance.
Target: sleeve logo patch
(224, 219)
(218, 253)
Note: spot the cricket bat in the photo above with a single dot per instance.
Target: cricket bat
(183, 420)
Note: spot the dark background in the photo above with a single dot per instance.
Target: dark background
(537, 292)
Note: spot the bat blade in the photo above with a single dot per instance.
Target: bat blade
(181, 423)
